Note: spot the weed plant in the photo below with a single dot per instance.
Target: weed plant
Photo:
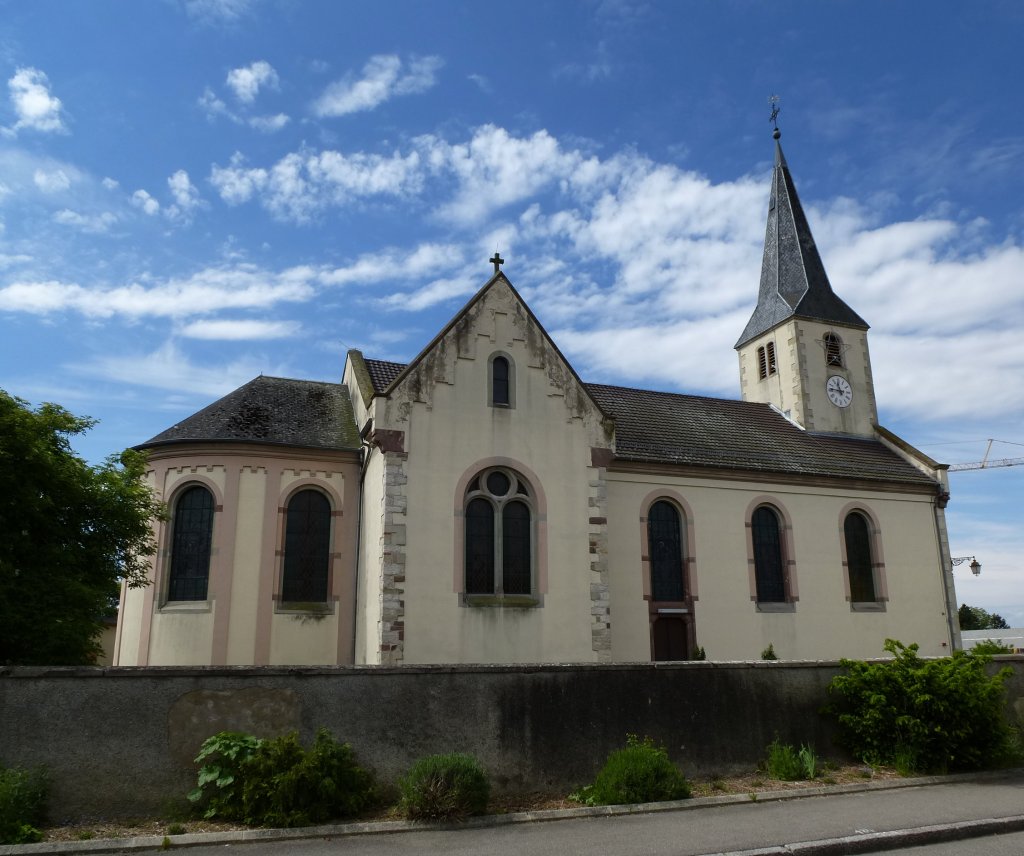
(639, 773)
(445, 787)
(23, 795)
(769, 653)
(783, 762)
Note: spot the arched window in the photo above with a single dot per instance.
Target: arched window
(665, 543)
(307, 548)
(833, 350)
(769, 573)
(500, 382)
(766, 364)
(191, 539)
(858, 558)
(499, 534)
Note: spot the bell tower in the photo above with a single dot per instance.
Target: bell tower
(804, 350)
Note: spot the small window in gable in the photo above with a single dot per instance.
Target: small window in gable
(833, 350)
(501, 378)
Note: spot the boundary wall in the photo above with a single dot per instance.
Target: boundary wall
(120, 741)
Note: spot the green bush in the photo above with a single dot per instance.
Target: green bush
(922, 715)
(288, 786)
(23, 796)
(642, 772)
(990, 646)
(277, 782)
(445, 787)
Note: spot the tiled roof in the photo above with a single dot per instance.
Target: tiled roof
(793, 278)
(663, 427)
(670, 428)
(274, 410)
(383, 373)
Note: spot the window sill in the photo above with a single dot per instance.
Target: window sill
(185, 607)
(782, 606)
(312, 608)
(506, 601)
(868, 606)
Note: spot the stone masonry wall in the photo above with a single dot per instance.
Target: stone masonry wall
(120, 741)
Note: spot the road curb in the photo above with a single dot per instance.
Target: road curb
(850, 845)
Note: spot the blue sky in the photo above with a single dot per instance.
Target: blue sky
(193, 192)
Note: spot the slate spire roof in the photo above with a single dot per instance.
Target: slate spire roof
(793, 278)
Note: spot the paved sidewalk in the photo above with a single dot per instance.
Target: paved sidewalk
(842, 819)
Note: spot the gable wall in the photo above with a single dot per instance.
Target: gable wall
(821, 624)
(450, 432)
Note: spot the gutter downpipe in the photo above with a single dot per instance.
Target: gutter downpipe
(946, 564)
(365, 450)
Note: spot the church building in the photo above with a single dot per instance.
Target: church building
(484, 504)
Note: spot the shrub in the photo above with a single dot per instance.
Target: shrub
(922, 715)
(990, 646)
(23, 796)
(783, 762)
(699, 653)
(445, 787)
(642, 772)
(769, 653)
(285, 785)
(278, 783)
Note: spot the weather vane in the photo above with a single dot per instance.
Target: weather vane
(774, 118)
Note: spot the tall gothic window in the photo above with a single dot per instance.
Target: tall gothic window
(769, 572)
(307, 548)
(833, 350)
(191, 539)
(499, 534)
(665, 546)
(858, 558)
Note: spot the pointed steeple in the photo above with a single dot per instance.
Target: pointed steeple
(793, 278)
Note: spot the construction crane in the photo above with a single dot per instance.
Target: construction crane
(985, 463)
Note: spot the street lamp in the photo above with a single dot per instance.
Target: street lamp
(975, 564)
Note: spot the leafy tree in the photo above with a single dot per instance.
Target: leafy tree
(976, 618)
(69, 533)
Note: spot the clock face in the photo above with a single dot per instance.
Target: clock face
(839, 391)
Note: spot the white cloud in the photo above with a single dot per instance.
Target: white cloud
(247, 81)
(213, 106)
(396, 264)
(110, 183)
(209, 290)
(94, 224)
(36, 108)
(301, 184)
(141, 199)
(7, 261)
(186, 197)
(53, 181)
(383, 77)
(217, 11)
(269, 124)
(437, 291)
(168, 368)
(235, 330)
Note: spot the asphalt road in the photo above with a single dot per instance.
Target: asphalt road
(694, 832)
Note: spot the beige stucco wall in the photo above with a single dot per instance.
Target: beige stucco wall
(822, 624)
(451, 432)
(240, 623)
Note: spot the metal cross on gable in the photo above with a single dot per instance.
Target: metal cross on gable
(497, 261)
